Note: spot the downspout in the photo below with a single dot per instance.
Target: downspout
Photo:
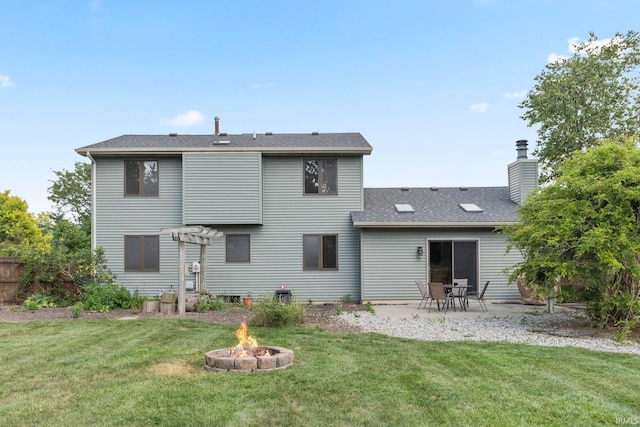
(93, 202)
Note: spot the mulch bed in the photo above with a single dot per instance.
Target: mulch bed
(316, 315)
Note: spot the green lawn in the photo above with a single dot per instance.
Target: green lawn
(149, 372)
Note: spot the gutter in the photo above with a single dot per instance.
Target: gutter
(364, 224)
(93, 202)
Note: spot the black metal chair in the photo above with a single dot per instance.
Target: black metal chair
(459, 292)
(479, 296)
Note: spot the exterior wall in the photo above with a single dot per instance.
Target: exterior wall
(523, 178)
(276, 245)
(390, 265)
(222, 188)
(117, 216)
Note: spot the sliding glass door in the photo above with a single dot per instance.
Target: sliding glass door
(453, 259)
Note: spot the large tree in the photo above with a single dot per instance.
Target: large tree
(589, 96)
(585, 227)
(70, 224)
(18, 229)
(71, 194)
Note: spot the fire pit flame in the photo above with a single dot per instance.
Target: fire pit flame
(244, 339)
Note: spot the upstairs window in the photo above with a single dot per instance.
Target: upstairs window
(141, 253)
(141, 177)
(320, 252)
(321, 176)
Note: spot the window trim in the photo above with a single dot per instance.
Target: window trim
(140, 192)
(320, 252)
(141, 238)
(304, 176)
(226, 248)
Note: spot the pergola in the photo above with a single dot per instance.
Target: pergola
(198, 235)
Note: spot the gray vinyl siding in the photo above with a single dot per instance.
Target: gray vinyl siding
(523, 178)
(390, 265)
(222, 188)
(276, 246)
(118, 216)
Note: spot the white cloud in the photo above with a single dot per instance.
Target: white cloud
(95, 4)
(479, 108)
(520, 94)
(189, 118)
(592, 47)
(5, 81)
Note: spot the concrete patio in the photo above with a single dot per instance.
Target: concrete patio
(496, 309)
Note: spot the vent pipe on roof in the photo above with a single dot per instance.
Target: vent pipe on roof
(521, 148)
(217, 120)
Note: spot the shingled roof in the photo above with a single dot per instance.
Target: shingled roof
(435, 207)
(281, 143)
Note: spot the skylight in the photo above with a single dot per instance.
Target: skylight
(404, 208)
(470, 207)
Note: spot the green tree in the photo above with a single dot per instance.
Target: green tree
(18, 227)
(585, 227)
(589, 96)
(70, 193)
(70, 224)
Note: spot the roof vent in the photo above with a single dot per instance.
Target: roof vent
(404, 208)
(173, 134)
(521, 148)
(315, 133)
(268, 133)
(463, 188)
(223, 134)
(221, 142)
(404, 188)
(434, 188)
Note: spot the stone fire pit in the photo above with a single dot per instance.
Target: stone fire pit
(248, 359)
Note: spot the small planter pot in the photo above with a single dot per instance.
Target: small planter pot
(247, 301)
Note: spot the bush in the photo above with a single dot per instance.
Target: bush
(217, 304)
(621, 310)
(272, 312)
(38, 301)
(105, 297)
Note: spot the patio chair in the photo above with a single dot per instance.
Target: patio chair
(479, 296)
(424, 291)
(459, 293)
(437, 293)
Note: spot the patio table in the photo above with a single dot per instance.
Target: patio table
(448, 288)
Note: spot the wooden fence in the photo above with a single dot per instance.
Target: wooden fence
(10, 273)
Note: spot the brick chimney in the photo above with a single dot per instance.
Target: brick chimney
(217, 121)
(523, 174)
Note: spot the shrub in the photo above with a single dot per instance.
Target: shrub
(104, 297)
(38, 301)
(217, 304)
(270, 311)
(77, 310)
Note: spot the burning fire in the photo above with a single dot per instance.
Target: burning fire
(247, 345)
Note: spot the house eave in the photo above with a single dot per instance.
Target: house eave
(367, 224)
(218, 149)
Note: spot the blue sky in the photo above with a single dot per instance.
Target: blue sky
(434, 86)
